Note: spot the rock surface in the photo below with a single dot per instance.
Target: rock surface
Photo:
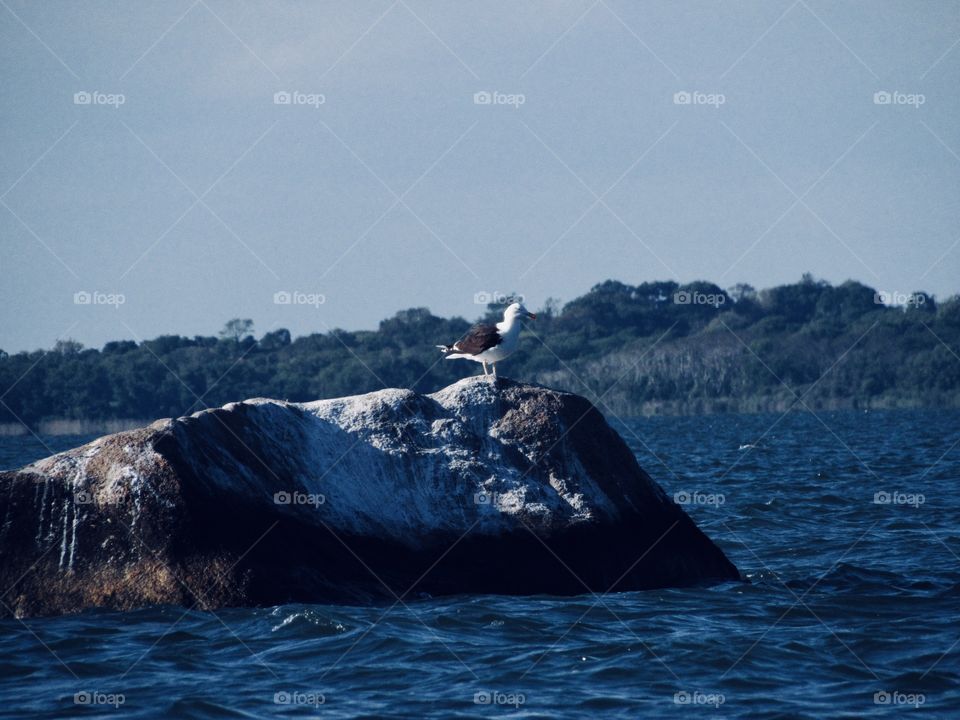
(485, 486)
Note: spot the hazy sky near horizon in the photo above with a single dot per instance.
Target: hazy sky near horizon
(185, 187)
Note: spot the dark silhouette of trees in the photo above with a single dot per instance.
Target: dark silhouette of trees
(653, 346)
(237, 329)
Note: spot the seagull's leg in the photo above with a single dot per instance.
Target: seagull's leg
(484, 366)
(493, 366)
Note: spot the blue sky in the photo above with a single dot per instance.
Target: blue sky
(183, 188)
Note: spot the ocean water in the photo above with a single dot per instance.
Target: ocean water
(846, 524)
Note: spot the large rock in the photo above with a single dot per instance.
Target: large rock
(485, 486)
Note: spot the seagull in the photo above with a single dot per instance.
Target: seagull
(485, 343)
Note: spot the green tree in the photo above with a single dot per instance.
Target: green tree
(237, 329)
(67, 347)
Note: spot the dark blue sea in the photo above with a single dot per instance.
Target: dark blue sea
(847, 525)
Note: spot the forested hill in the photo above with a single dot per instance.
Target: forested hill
(655, 347)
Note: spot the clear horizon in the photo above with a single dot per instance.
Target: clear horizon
(198, 158)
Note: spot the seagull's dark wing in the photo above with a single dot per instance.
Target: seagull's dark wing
(478, 338)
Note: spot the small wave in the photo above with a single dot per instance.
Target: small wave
(318, 623)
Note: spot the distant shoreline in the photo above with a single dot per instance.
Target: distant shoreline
(666, 408)
(761, 405)
(66, 426)
(658, 348)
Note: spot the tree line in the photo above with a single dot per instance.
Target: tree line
(653, 347)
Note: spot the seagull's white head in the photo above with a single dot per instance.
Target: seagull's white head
(517, 310)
